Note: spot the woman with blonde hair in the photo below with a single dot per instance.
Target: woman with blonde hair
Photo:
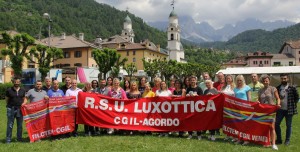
(147, 92)
(241, 91)
(230, 85)
(157, 82)
(134, 93)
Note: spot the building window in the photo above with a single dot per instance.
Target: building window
(133, 60)
(254, 62)
(277, 63)
(66, 54)
(133, 52)
(125, 33)
(291, 64)
(260, 62)
(78, 64)
(172, 36)
(266, 62)
(171, 29)
(66, 65)
(77, 54)
(299, 52)
(127, 53)
(31, 66)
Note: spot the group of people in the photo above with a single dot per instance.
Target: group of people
(284, 96)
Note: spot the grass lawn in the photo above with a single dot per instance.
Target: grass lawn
(135, 142)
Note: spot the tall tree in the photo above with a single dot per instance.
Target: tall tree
(16, 50)
(44, 56)
(130, 69)
(108, 59)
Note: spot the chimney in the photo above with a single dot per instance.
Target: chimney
(81, 36)
(158, 47)
(98, 40)
(63, 36)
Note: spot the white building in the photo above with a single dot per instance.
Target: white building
(127, 32)
(174, 47)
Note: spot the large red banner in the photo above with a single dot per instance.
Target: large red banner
(248, 121)
(49, 117)
(151, 114)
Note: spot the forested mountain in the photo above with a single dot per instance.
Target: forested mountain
(254, 40)
(72, 17)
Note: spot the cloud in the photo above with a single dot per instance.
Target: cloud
(216, 12)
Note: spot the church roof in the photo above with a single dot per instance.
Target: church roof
(173, 14)
(127, 19)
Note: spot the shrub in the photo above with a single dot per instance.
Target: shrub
(3, 88)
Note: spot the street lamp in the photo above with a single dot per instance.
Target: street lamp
(47, 16)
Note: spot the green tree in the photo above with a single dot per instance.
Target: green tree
(44, 56)
(131, 69)
(16, 50)
(108, 59)
(150, 67)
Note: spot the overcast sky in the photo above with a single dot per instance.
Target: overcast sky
(216, 12)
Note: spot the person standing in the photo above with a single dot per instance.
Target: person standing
(269, 95)
(186, 82)
(126, 87)
(102, 88)
(221, 81)
(163, 92)
(229, 86)
(255, 86)
(73, 91)
(67, 85)
(109, 81)
(210, 91)
(142, 83)
(194, 90)
(47, 85)
(147, 92)
(134, 93)
(55, 91)
(179, 92)
(116, 92)
(241, 91)
(172, 84)
(88, 130)
(95, 85)
(15, 97)
(157, 82)
(289, 98)
(37, 93)
(205, 76)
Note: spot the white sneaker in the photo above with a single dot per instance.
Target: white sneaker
(199, 137)
(274, 147)
(110, 131)
(190, 137)
(213, 138)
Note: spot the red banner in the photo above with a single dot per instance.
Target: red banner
(49, 117)
(248, 121)
(151, 114)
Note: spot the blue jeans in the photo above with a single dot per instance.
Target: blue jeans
(12, 113)
(280, 114)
